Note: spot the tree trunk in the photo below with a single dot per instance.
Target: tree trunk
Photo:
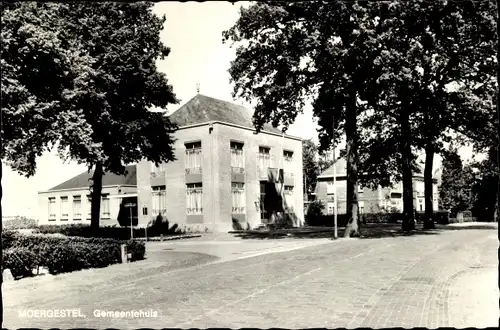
(353, 226)
(96, 196)
(428, 186)
(408, 211)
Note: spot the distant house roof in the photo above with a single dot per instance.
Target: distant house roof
(108, 179)
(202, 109)
(341, 170)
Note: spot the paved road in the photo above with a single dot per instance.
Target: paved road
(446, 279)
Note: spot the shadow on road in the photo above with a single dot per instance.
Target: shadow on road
(368, 231)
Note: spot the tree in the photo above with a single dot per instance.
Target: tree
(313, 163)
(426, 46)
(291, 53)
(309, 165)
(454, 192)
(101, 57)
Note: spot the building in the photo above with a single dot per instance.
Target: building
(370, 200)
(70, 201)
(222, 174)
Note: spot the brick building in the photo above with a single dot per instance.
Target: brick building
(224, 171)
(69, 202)
(370, 200)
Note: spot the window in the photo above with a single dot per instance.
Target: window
(330, 189)
(237, 158)
(105, 213)
(77, 207)
(64, 208)
(89, 206)
(288, 156)
(289, 198)
(159, 196)
(238, 196)
(52, 208)
(263, 212)
(193, 157)
(157, 170)
(361, 209)
(331, 208)
(194, 196)
(264, 158)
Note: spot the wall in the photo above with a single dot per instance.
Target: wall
(216, 176)
(175, 180)
(252, 142)
(43, 205)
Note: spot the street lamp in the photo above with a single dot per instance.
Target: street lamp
(335, 233)
(130, 206)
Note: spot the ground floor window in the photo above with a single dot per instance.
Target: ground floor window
(331, 208)
(289, 198)
(105, 212)
(52, 208)
(238, 197)
(194, 198)
(77, 207)
(64, 208)
(159, 200)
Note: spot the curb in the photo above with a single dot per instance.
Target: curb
(167, 238)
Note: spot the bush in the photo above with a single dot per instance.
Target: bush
(315, 209)
(157, 228)
(19, 223)
(8, 238)
(21, 261)
(65, 254)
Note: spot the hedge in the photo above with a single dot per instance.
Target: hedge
(22, 253)
(328, 220)
(19, 223)
(120, 233)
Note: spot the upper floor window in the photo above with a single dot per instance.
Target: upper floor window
(193, 157)
(330, 188)
(288, 155)
(157, 169)
(237, 157)
(64, 208)
(264, 157)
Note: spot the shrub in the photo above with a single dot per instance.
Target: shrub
(8, 238)
(314, 209)
(19, 223)
(66, 254)
(21, 261)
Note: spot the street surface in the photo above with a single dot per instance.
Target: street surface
(445, 279)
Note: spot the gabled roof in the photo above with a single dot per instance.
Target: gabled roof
(202, 109)
(108, 179)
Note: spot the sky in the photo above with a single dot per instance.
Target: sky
(193, 31)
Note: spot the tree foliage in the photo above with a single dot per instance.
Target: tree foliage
(455, 189)
(292, 53)
(84, 81)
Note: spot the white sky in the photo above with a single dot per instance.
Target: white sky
(193, 31)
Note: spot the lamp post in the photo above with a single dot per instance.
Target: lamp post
(335, 233)
(130, 206)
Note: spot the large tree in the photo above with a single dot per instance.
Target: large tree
(425, 47)
(292, 53)
(84, 81)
